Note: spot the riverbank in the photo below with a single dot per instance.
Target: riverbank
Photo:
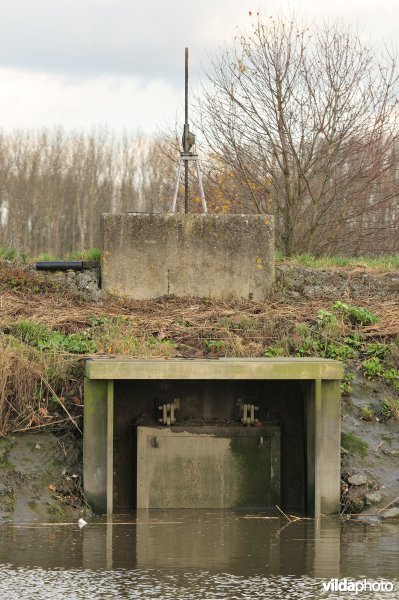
(49, 324)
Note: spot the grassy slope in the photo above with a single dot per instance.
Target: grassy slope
(380, 263)
(46, 330)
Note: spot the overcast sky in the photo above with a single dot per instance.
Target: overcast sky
(79, 63)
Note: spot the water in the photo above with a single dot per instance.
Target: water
(195, 555)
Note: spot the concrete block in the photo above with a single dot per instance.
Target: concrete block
(208, 467)
(220, 256)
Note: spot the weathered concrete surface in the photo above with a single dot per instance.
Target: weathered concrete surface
(208, 467)
(223, 368)
(220, 256)
(95, 442)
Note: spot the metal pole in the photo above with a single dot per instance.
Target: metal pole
(186, 124)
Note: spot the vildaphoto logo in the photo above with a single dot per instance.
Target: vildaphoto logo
(357, 586)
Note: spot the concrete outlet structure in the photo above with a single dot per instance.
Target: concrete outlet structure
(220, 256)
(226, 433)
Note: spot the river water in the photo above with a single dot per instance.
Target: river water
(200, 555)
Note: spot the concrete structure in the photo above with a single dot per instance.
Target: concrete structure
(220, 256)
(299, 396)
(226, 467)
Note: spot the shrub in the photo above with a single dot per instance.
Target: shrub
(36, 335)
(390, 408)
(372, 367)
(271, 351)
(356, 314)
(367, 413)
(346, 383)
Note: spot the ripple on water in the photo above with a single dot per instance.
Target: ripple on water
(79, 584)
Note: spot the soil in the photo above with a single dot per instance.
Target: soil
(381, 463)
(40, 478)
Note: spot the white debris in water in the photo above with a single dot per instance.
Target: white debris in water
(81, 523)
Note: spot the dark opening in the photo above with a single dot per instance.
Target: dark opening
(214, 402)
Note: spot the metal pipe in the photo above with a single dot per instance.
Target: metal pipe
(60, 265)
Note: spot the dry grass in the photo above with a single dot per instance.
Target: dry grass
(36, 387)
(27, 381)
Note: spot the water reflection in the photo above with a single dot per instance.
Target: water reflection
(166, 550)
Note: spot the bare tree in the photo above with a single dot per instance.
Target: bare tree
(55, 185)
(306, 117)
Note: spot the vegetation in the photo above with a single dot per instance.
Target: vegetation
(280, 114)
(44, 340)
(36, 385)
(390, 408)
(93, 254)
(354, 445)
(54, 186)
(38, 336)
(315, 262)
(368, 413)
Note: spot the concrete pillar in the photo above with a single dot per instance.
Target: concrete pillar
(98, 444)
(329, 448)
(323, 443)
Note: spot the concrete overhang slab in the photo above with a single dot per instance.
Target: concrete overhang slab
(223, 368)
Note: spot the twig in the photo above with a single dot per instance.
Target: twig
(28, 428)
(49, 387)
(254, 517)
(283, 513)
(385, 507)
(61, 445)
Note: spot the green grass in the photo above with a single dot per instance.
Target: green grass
(307, 260)
(36, 335)
(93, 254)
(12, 254)
(377, 262)
(354, 445)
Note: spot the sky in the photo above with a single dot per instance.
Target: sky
(119, 63)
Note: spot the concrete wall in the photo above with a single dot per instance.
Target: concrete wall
(208, 467)
(152, 255)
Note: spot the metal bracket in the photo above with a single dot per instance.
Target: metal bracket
(168, 412)
(248, 413)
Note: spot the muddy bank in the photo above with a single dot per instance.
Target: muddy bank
(40, 478)
(370, 450)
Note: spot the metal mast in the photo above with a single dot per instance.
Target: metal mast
(185, 128)
(188, 141)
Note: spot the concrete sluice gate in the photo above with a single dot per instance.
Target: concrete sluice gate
(225, 433)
